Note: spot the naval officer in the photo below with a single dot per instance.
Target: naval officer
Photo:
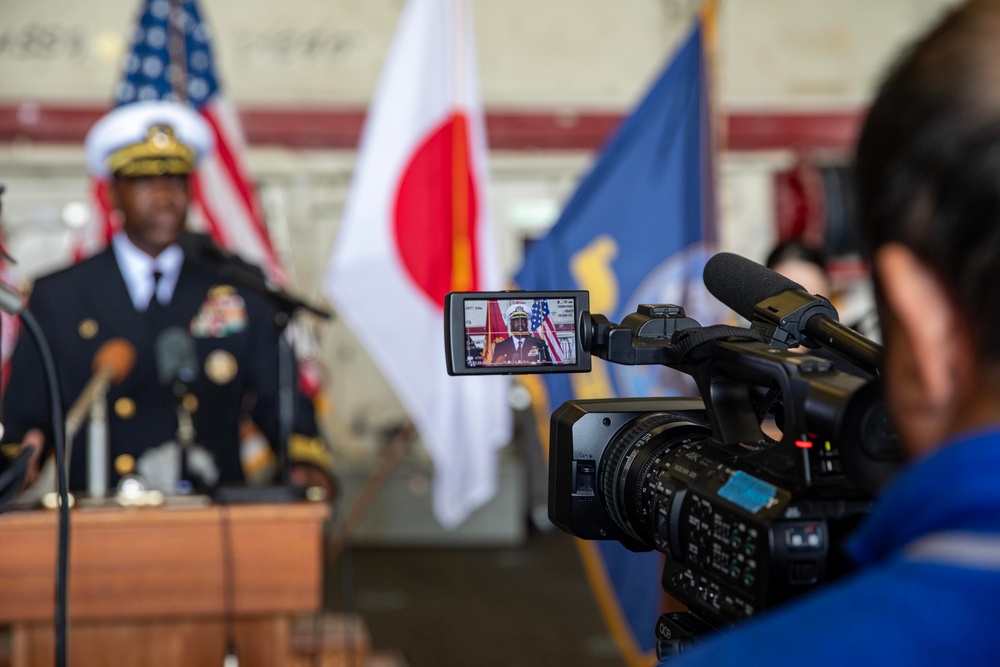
(152, 277)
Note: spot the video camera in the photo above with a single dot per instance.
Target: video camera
(748, 490)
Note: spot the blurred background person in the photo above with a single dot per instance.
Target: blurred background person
(802, 263)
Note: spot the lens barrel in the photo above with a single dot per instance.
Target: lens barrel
(633, 462)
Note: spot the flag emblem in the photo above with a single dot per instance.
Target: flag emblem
(542, 327)
(435, 213)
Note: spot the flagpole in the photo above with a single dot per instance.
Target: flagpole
(177, 51)
(653, 172)
(708, 14)
(399, 445)
(462, 278)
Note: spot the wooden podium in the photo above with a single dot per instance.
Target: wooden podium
(163, 586)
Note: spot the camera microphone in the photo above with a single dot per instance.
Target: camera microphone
(784, 307)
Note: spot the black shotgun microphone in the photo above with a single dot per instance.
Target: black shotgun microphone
(784, 311)
(176, 359)
(177, 368)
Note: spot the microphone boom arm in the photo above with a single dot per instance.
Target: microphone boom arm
(282, 300)
(795, 316)
(781, 318)
(845, 342)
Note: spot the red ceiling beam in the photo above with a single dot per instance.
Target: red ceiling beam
(335, 128)
(749, 131)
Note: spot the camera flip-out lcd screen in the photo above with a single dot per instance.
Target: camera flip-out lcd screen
(515, 332)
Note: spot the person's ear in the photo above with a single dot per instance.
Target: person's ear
(927, 319)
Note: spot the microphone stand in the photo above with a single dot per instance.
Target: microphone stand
(91, 403)
(62, 484)
(97, 447)
(177, 366)
(233, 269)
(13, 303)
(286, 396)
(185, 440)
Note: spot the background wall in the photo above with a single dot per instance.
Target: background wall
(590, 53)
(781, 64)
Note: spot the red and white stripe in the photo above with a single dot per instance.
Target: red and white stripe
(547, 332)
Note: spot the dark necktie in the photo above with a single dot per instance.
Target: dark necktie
(154, 302)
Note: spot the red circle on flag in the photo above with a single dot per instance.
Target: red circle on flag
(434, 217)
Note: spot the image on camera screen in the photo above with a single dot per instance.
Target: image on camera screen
(520, 332)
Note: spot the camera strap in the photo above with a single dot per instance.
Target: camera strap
(686, 341)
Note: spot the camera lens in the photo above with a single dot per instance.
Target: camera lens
(633, 462)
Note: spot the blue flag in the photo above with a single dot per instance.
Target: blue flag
(637, 230)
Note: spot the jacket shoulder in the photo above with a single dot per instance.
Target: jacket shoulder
(76, 276)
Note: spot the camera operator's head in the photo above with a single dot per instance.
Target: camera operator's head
(928, 168)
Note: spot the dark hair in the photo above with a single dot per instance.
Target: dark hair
(928, 162)
(795, 250)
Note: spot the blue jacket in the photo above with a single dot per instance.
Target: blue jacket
(927, 591)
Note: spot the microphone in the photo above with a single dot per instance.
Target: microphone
(11, 301)
(112, 364)
(232, 267)
(13, 476)
(177, 367)
(176, 358)
(788, 313)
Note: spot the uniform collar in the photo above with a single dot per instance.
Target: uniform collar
(137, 269)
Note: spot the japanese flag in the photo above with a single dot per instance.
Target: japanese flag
(416, 226)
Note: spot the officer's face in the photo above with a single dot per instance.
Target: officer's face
(155, 208)
(519, 326)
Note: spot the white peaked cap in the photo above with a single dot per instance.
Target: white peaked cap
(130, 124)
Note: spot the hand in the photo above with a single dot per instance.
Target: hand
(305, 476)
(34, 439)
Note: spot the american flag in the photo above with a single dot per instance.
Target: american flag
(170, 58)
(542, 327)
